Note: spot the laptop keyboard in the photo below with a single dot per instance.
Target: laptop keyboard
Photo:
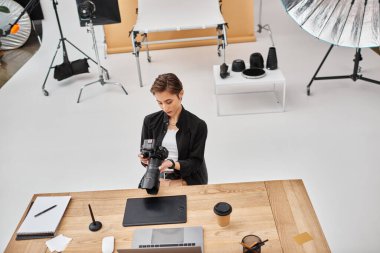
(167, 245)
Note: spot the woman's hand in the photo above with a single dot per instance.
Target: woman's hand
(165, 165)
(143, 160)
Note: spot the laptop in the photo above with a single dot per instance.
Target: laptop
(163, 250)
(167, 240)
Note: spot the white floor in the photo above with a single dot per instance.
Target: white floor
(330, 139)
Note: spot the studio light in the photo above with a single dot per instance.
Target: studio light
(88, 16)
(348, 23)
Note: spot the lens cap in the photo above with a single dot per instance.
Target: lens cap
(253, 73)
(238, 65)
(222, 209)
(256, 60)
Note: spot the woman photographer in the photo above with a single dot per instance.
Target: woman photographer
(178, 130)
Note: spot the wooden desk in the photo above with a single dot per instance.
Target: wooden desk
(274, 210)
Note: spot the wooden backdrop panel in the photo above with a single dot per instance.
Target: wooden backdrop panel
(238, 15)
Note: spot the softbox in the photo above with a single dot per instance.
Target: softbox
(106, 12)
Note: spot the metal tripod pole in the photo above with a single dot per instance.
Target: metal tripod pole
(260, 26)
(266, 26)
(100, 69)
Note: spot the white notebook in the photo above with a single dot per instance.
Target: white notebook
(45, 224)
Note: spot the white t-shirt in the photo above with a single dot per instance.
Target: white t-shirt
(170, 143)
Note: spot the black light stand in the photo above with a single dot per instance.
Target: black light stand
(101, 79)
(355, 75)
(62, 41)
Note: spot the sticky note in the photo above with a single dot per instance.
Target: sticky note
(303, 238)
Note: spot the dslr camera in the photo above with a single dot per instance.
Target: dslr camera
(151, 180)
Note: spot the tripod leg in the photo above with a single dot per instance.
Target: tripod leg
(119, 84)
(126, 93)
(147, 48)
(136, 51)
(81, 89)
(138, 68)
(105, 74)
(45, 92)
(319, 68)
(369, 80)
(80, 94)
(358, 57)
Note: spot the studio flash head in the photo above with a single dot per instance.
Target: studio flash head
(86, 10)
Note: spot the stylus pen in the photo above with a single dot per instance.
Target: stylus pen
(44, 211)
(258, 245)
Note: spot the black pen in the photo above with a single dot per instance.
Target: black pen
(44, 211)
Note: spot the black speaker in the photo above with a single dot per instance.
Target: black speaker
(105, 12)
(272, 59)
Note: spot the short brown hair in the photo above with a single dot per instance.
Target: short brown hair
(167, 82)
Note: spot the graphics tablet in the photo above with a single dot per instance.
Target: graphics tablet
(155, 210)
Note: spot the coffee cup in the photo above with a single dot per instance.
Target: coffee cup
(223, 211)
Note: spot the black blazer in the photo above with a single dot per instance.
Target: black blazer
(191, 141)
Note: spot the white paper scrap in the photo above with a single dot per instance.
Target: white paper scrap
(58, 243)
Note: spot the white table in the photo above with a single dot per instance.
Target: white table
(176, 15)
(239, 95)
